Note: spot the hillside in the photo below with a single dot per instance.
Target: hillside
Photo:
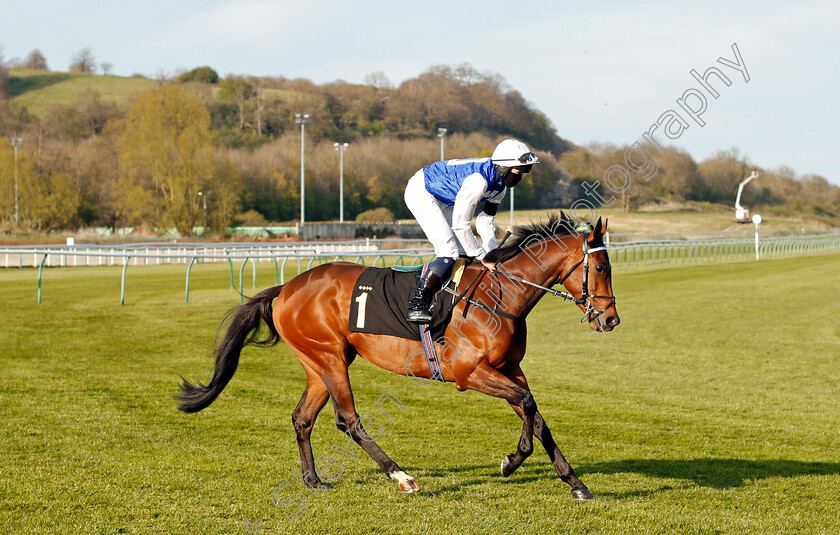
(81, 165)
(39, 91)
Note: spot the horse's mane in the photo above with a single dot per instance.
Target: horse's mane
(559, 225)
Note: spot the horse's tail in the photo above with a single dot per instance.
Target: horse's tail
(246, 321)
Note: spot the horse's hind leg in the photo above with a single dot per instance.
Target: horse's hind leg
(313, 400)
(348, 421)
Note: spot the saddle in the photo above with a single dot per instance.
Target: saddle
(380, 299)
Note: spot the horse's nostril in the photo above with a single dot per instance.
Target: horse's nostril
(612, 321)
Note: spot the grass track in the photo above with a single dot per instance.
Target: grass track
(711, 409)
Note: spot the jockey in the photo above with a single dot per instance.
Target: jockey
(443, 198)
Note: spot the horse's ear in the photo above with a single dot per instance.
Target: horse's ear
(597, 230)
(604, 229)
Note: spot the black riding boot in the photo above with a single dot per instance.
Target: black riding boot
(418, 307)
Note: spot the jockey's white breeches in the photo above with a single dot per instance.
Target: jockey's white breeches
(434, 217)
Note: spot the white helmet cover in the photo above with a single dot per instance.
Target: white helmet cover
(512, 152)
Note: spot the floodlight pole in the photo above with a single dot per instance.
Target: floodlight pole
(16, 141)
(441, 134)
(341, 147)
(302, 119)
(204, 202)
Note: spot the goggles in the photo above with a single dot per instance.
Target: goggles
(528, 158)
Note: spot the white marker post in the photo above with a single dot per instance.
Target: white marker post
(756, 219)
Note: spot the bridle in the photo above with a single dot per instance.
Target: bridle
(590, 312)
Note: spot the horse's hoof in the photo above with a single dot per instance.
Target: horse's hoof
(409, 485)
(582, 494)
(506, 467)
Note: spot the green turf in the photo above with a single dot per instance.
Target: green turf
(712, 408)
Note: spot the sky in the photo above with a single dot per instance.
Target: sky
(602, 72)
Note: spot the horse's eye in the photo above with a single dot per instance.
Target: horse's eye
(600, 268)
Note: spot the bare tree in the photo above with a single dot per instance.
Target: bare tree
(259, 108)
(83, 61)
(107, 68)
(161, 77)
(378, 80)
(238, 91)
(35, 60)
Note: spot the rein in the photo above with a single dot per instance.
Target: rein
(462, 295)
(590, 312)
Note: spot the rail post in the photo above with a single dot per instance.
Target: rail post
(187, 291)
(122, 282)
(40, 269)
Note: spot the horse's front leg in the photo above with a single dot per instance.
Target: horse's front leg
(488, 380)
(561, 465)
(543, 433)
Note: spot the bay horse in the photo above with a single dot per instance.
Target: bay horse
(311, 314)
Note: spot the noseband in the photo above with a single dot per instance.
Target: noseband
(590, 311)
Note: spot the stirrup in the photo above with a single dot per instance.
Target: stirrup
(423, 316)
(419, 309)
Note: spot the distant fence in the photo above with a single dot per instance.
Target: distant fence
(681, 253)
(349, 231)
(745, 232)
(303, 255)
(310, 231)
(155, 253)
(623, 256)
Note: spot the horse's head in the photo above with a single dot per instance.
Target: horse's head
(546, 254)
(590, 280)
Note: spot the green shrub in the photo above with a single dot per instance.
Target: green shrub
(204, 75)
(377, 215)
